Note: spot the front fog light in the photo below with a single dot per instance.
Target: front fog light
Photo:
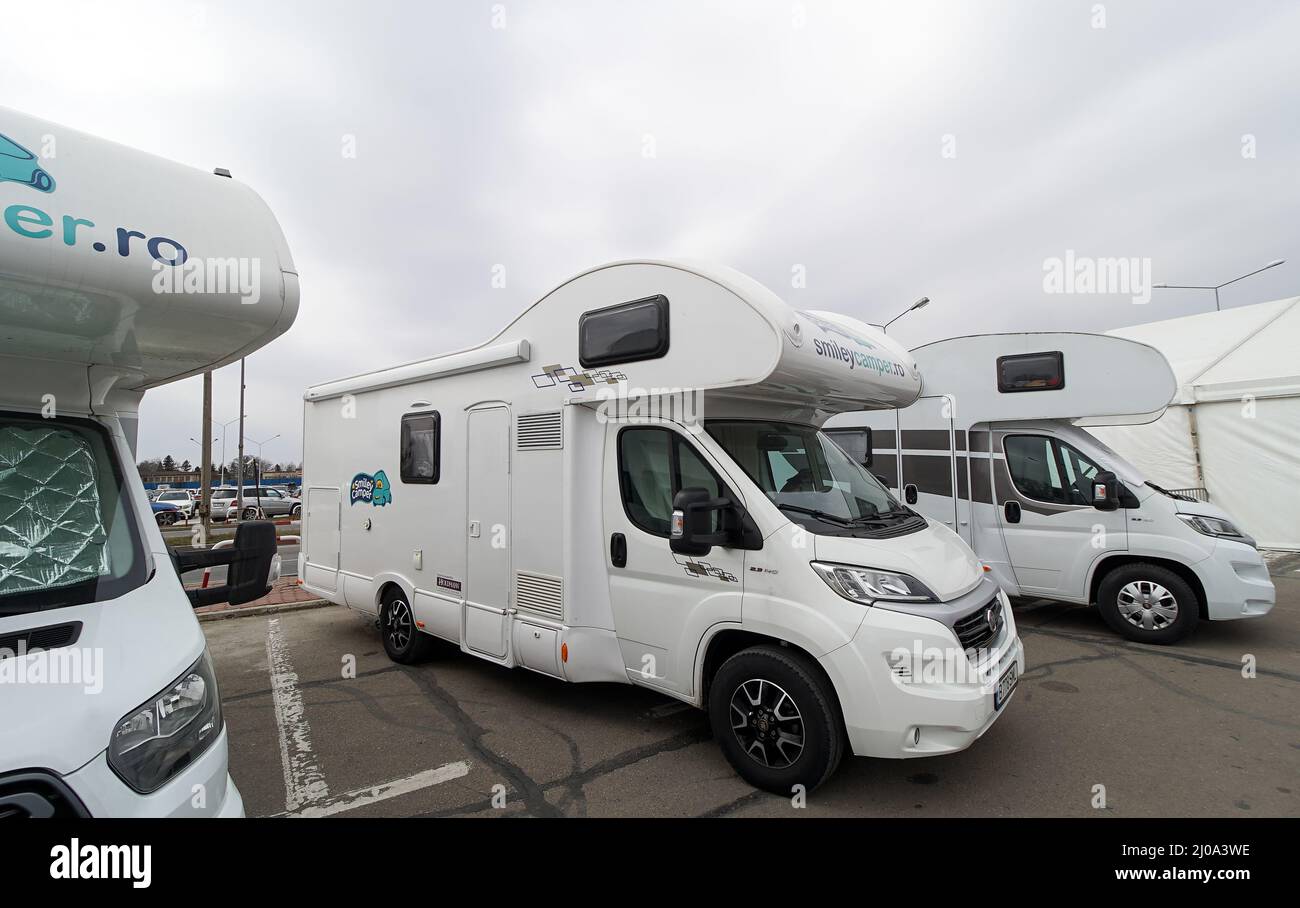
(162, 736)
(868, 585)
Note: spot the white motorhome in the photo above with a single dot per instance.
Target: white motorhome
(995, 448)
(108, 701)
(628, 484)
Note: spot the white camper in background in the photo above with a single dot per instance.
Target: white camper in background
(108, 701)
(995, 449)
(550, 500)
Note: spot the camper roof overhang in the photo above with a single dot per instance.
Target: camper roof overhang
(1107, 380)
(130, 264)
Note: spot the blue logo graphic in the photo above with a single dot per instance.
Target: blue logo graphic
(18, 165)
(371, 489)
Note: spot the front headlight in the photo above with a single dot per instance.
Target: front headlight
(868, 585)
(161, 737)
(1210, 526)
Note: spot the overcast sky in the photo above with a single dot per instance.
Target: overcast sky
(892, 150)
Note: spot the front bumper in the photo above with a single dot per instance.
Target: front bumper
(202, 789)
(1236, 582)
(940, 703)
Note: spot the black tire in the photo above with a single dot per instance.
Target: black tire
(250, 514)
(403, 641)
(1136, 600)
(296, 512)
(165, 518)
(783, 682)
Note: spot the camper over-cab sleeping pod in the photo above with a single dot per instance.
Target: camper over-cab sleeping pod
(104, 294)
(629, 484)
(996, 449)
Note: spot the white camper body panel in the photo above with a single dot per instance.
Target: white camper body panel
(89, 232)
(523, 552)
(980, 460)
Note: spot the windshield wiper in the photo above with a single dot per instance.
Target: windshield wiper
(813, 512)
(885, 515)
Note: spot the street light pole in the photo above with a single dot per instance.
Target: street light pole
(239, 492)
(919, 304)
(1217, 287)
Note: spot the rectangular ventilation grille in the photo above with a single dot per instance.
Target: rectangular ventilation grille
(539, 593)
(539, 431)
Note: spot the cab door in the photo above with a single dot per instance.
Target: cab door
(662, 602)
(1053, 533)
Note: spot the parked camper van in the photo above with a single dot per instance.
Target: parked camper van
(629, 484)
(108, 701)
(995, 448)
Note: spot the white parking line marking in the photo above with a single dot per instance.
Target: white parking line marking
(361, 797)
(304, 782)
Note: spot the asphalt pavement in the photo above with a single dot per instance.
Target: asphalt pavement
(322, 723)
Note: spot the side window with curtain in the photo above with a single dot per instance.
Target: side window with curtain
(654, 465)
(421, 447)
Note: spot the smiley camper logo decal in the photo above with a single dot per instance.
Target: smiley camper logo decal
(18, 165)
(371, 488)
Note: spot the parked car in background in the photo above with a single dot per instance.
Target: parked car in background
(264, 500)
(182, 498)
(165, 512)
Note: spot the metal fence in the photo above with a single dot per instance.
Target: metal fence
(1198, 493)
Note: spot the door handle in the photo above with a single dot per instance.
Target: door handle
(618, 550)
(1012, 511)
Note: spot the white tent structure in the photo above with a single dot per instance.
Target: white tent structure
(1233, 427)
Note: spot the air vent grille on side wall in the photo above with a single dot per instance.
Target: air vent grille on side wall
(539, 593)
(539, 431)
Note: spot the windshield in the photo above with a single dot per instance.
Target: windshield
(67, 534)
(807, 475)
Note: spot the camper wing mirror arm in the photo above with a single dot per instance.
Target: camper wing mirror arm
(1105, 491)
(252, 565)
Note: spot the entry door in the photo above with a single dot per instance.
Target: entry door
(927, 460)
(487, 571)
(1052, 532)
(321, 568)
(662, 602)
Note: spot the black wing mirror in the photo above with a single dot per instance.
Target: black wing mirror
(1105, 491)
(909, 493)
(691, 530)
(250, 563)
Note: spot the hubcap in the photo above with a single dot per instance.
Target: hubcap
(1147, 605)
(399, 624)
(767, 723)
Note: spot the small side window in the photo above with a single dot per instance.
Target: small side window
(421, 447)
(1031, 372)
(854, 442)
(626, 333)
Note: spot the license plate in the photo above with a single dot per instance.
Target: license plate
(1006, 684)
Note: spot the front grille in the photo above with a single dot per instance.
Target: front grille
(51, 637)
(981, 627)
(35, 794)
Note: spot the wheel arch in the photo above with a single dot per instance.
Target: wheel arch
(1110, 563)
(729, 640)
(385, 582)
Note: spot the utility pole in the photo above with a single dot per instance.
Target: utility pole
(240, 494)
(205, 481)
